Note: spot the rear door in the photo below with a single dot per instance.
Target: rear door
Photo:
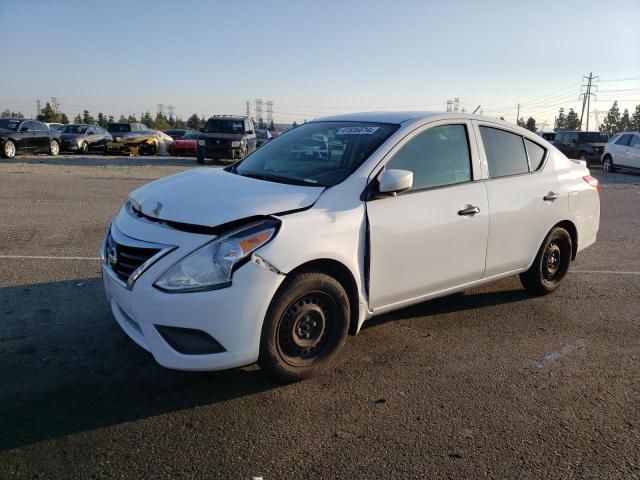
(421, 241)
(621, 156)
(634, 151)
(41, 136)
(522, 204)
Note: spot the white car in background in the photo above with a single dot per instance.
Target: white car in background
(622, 150)
(277, 257)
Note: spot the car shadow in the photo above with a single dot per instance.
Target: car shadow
(66, 367)
(468, 300)
(103, 160)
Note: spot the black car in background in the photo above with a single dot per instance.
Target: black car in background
(84, 138)
(19, 135)
(263, 136)
(585, 146)
(226, 137)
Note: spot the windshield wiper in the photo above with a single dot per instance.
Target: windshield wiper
(278, 179)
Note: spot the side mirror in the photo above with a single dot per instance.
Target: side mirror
(395, 181)
(24, 129)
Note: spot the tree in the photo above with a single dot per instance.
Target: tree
(9, 114)
(102, 120)
(573, 121)
(271, 127)
(521, 122)
(635, 120)
(48, 114)
(531, 124)
(122, 119)
(87, 118)
(78, 119)
(561, 121)
(131, 119)
(611, 123)
(63, 118)
(625, 121)
(194, 122)
(161, 122)
(294, 124)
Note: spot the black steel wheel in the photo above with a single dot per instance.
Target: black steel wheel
(551, 264)
(305, 326)
(607, 164)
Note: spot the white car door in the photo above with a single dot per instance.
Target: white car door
(633, 151)
(429, 239)
(621, 155)
(522, 204)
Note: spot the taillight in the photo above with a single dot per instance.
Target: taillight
(593, 181)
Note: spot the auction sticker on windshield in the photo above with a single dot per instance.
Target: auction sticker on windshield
(356, 130)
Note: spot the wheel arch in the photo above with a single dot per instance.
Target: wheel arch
(344, 276)
(570, 227)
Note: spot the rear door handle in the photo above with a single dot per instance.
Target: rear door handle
(551, 196)
(471, 210)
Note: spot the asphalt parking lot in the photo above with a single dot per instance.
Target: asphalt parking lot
(492, 383)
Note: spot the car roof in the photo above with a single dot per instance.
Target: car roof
(405, 116)
(228, 117)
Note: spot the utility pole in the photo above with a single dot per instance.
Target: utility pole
(518, 115)
(38, 107)
(269, 113)
(586, 96)
(259, 118)
(248, 111)
(54, 104)
(456, 104)
(449, 105)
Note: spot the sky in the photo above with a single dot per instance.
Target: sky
(317, 58)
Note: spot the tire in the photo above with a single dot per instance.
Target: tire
(582, 157)
(84, 148)
(54, 148)
(305, 326)
(200, 160)
(551, 264)
(8, 149)
(607, 164)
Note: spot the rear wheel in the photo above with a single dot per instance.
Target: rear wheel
(54, 148)
(9, 149)
(607, 164)
(305, 326)
(551, 263)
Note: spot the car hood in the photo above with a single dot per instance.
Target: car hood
(211, 197)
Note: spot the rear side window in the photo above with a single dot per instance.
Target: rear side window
(505, 152)
(535, 153)
(437, 157)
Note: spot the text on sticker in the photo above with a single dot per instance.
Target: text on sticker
(356, 130)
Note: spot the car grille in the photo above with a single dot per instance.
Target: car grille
(217, 143)
(125, 259)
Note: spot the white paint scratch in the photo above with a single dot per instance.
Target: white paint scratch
(553, 357)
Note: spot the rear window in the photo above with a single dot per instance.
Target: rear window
(119, 127)
(505, 152)
(592, 137)
(220, 125)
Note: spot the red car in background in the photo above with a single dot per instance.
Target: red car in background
(185, 146)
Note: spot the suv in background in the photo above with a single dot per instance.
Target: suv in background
(623, 150)
(226, 137)
(585, 146)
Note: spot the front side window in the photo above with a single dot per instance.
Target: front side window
(505, 152)
(624, 140)
(573, 138)
(535, 153)
(437, 157)
(315, 153)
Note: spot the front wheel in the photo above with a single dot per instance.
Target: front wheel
(9, 149)
(607, 164)
(551, 264)
(305, 326)
(54, 148)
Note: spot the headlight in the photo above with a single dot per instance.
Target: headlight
(236, 144)
(212, 266)
(201, 143)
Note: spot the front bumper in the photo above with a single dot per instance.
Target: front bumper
(231, 316)
(217, 153)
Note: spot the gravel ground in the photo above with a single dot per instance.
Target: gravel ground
(492, 383)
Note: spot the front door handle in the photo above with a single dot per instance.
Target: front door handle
(551, 196)
(470, 210)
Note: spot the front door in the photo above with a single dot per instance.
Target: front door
(428, 239)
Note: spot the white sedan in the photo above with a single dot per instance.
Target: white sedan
(622, 150)
(277, 258)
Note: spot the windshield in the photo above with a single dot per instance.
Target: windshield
(75, 129)
(9, 124)
(220, 125)
(119, 127)
(317, 153)
(592, 137)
